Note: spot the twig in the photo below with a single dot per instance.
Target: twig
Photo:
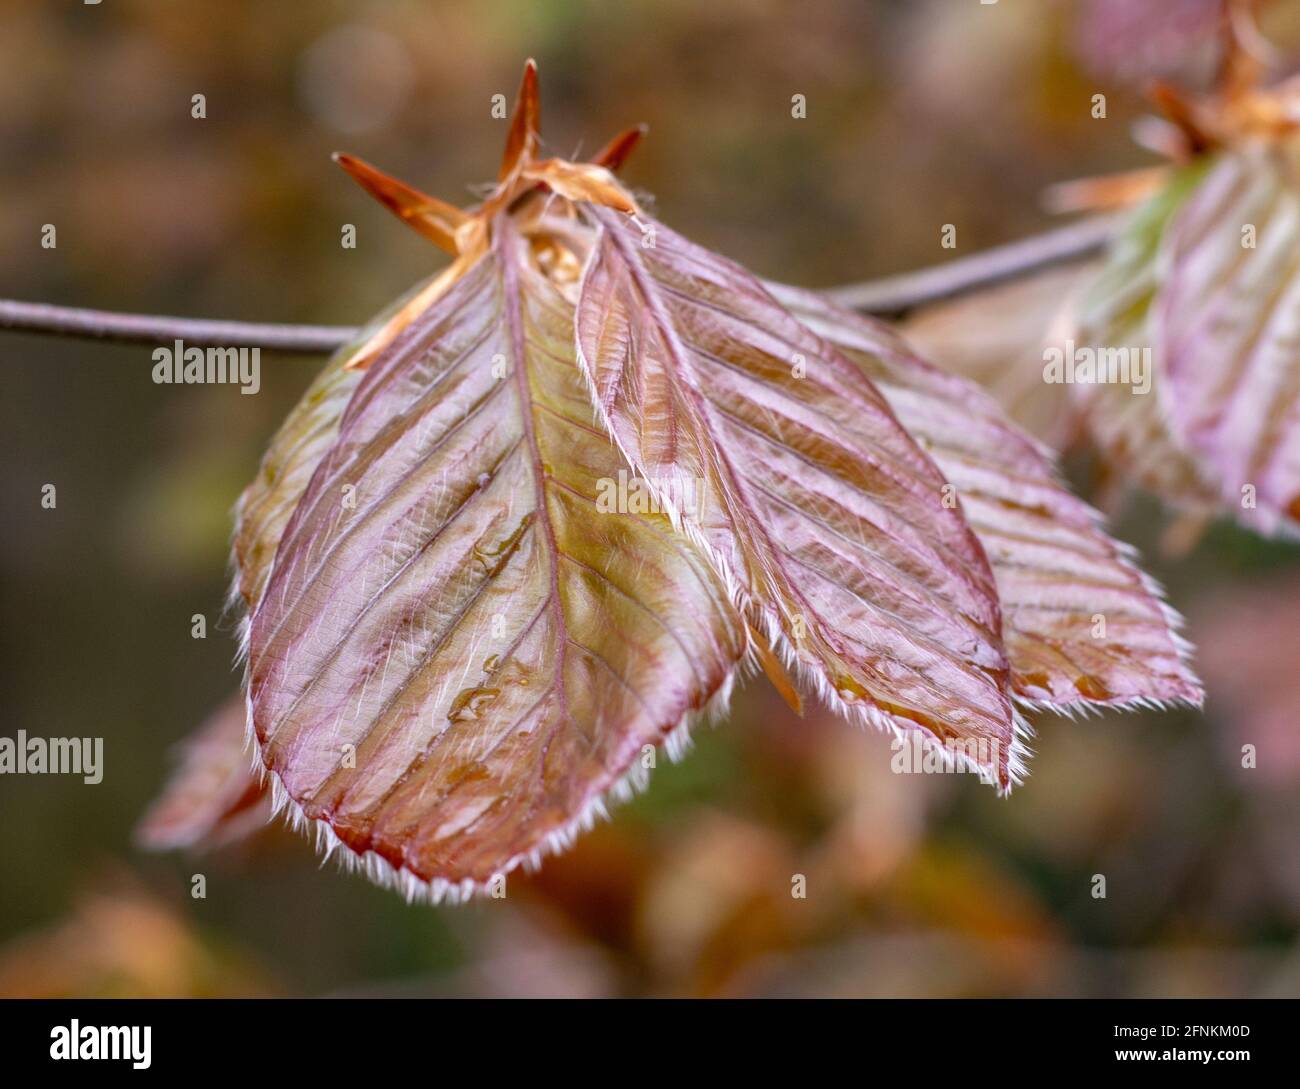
(897, 294)
(151, 329)
(891, 296)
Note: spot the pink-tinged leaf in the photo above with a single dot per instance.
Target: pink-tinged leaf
(461, 651)
(213, 797)
(1228, 326)
(781, 458)
(1130, 429)
(1134, 440)
(996, 337)
(1083, 626)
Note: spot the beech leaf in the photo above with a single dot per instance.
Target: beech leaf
(824, 517)
(212, 797)
(458, 653)
(1131, 430)
(1228, 324)
(1083, 625)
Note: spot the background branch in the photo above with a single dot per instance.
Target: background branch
(890, 297)
(895, 295)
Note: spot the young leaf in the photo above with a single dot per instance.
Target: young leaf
(459, 653)
(1083, 625)
(1228, 324)
(1130, 430)
(212, 797)
(824, 517)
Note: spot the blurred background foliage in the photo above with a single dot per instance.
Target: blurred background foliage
(920, 113)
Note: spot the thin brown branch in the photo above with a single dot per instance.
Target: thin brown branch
(154, 329)
(896, 295)
(891, 296)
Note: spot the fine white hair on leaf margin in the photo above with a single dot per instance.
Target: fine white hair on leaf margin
(869, 715)
(1174, 622)
(676, 743)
